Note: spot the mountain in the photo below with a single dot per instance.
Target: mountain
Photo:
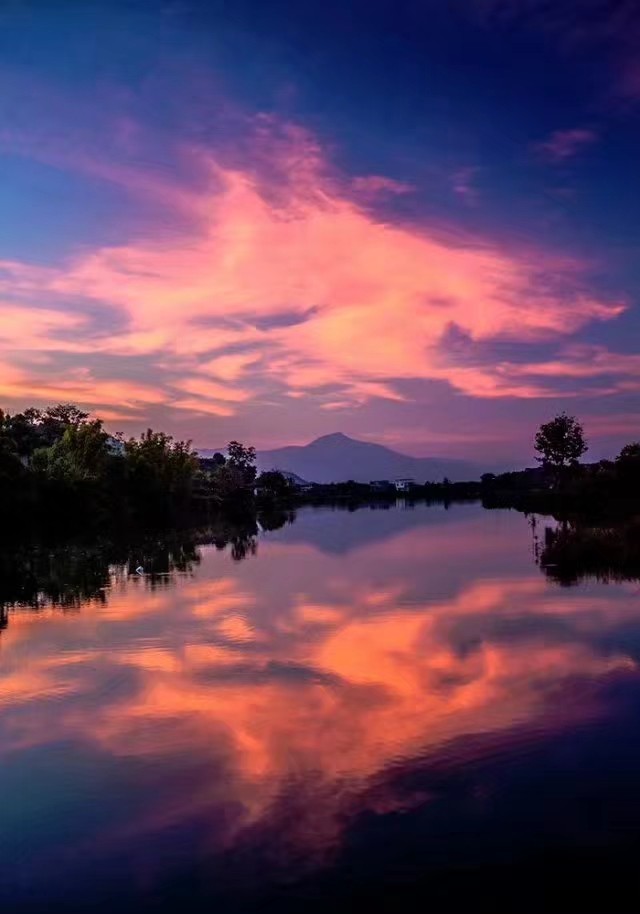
(335, 458)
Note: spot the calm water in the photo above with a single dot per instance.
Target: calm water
(373, 711)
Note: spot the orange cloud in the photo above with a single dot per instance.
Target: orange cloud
(229, 367)
(81, 387)
(211, 390)
(38, 329)
(204, 407)
(385, 679)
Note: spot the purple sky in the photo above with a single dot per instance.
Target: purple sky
(411, 222)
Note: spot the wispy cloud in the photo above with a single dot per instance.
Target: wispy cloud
(608, 28)
(566, 144)
(463, 184)
(629, 80)
(372, 185)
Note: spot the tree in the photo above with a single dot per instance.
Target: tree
(37, 428)
(231, 481)
(243, 459)
(10, 465)
(82, 451)
(630, 454)
(628, 467)
(65, 414)
(24, 431)
(229, 485)
(560, 443)
(160, 470)
(274, 484)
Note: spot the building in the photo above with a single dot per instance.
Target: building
(381, 485)
(404, 485)
(115, 446)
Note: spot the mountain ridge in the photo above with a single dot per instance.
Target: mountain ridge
(336, 457)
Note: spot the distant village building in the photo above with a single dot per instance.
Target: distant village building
(115, 446)
(404, 485)
(381, 485)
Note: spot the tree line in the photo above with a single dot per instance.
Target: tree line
(59, 466)
(562, 483)
(68, 574)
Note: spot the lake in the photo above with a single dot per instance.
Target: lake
(376, 710)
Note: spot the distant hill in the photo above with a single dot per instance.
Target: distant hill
(336, 458)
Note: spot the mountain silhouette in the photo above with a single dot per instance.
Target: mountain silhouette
(336, 458)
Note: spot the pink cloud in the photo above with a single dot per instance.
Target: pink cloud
(201, 406)
(229, 367)
(37, 329)
(367, 302)
(210, 390)
(616, 373)
(614, 424)
(371, 185)
(629, 80)
(588, 362)
(80, 387)
(463, 184)
(565, 144)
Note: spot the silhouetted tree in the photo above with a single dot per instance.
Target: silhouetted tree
(242, 458)
(274, 484)
(10, 465)
(55, 420)
(160, 471)
(629, 456)
(627, 467)
(231, 481)
(36, 428)
(560, 443)
(24, 431)
(81, 452)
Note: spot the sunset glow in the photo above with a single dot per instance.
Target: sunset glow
(212, 250)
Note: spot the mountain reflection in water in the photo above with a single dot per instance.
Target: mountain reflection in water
(375, 708)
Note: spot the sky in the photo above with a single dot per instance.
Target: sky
(412, 221)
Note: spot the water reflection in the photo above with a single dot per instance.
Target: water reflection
(257, 724)
(574, 551)
(68, 575)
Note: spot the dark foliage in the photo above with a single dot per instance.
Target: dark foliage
(39, 575)
(574, 551)
(60, 471)
(560, 442)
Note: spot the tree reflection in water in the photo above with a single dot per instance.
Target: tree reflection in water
(70, 575)
(66, 576)
(574, 551)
